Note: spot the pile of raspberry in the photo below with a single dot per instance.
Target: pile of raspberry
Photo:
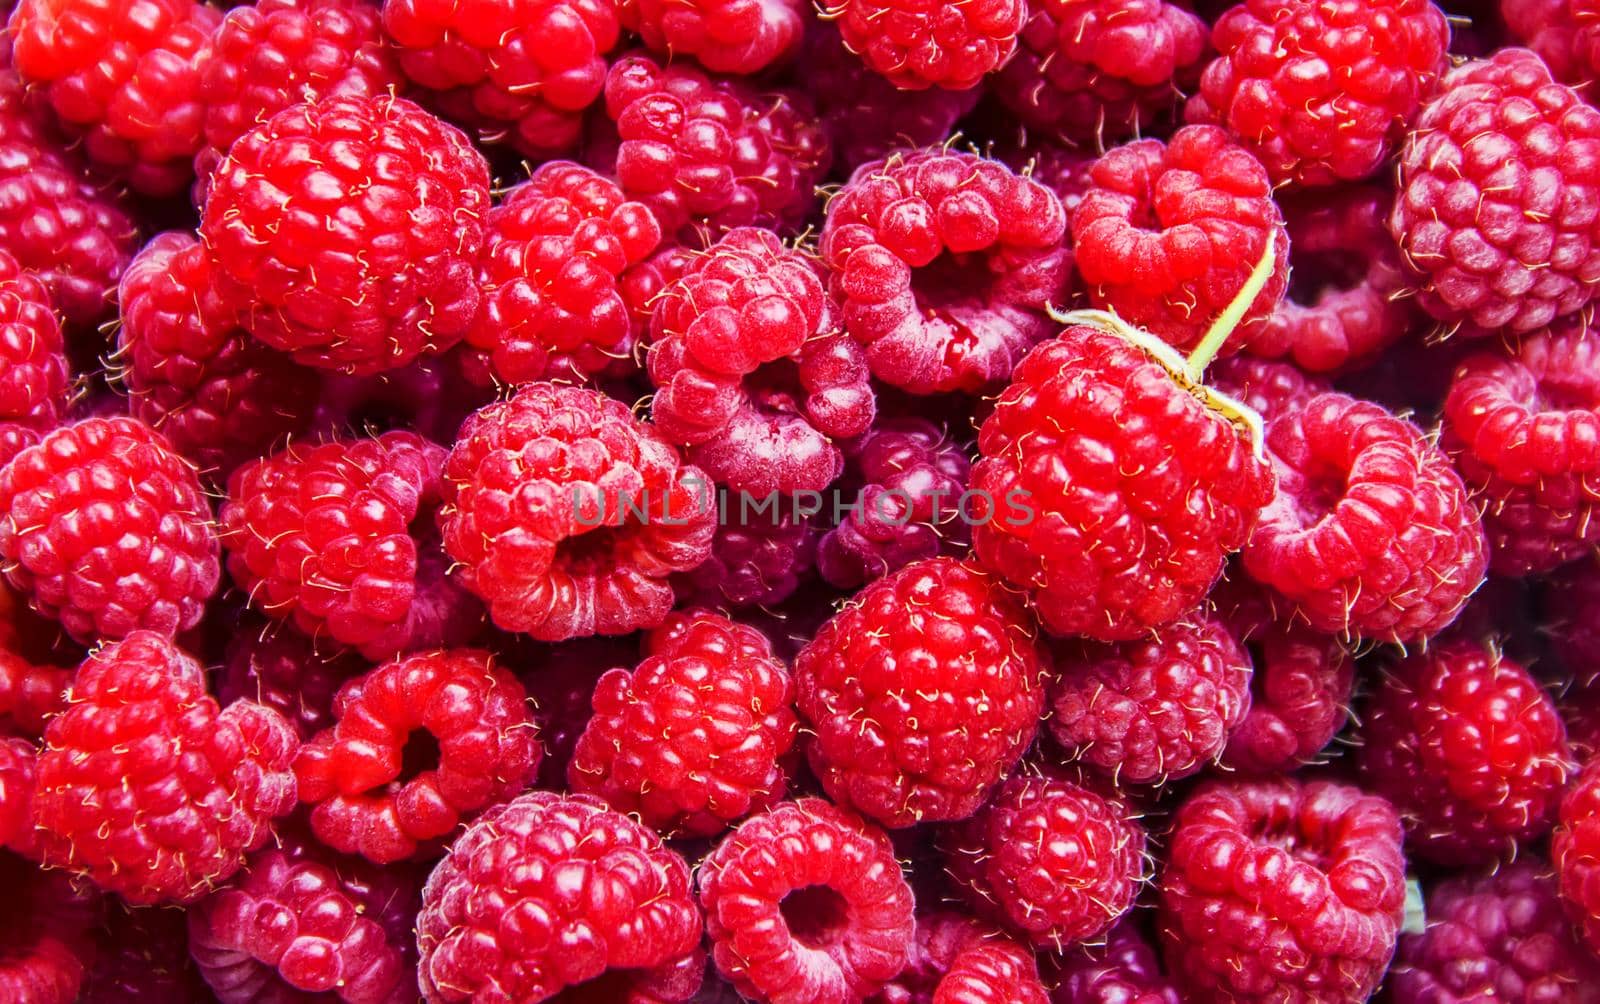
(875, 502)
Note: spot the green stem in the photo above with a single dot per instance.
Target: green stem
(1195, 366)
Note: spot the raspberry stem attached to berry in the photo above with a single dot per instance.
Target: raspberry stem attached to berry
(1217, 335)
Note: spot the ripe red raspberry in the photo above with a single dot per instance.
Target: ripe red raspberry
(1267, 387)
(806, 903)
(1500, 936)
(1127, 552)
(1346, 299)
(1497, 207)
(1155, 709)
(141, 956)
(418, 745)
(1052, 859)
(1372, 533)
(922, 694)
(1168, 234)
(303, 924)
(724, 36)
(29, 694)
(1565, 34)
(286, 671)
(1575, 850)
(219, 396)
(711, 152)
(107, 529)
(522, 71)
(958, 960)
(1279, 890)
(918, 44)
(550, 892)
(1092, 71)
(150, 790)
(378, 266)
(33, 363)
(1320, 91)
(1469, 749)
(567, 514)
(943, 264)
(19, 777)
(47, 934)
(1523, 427)
(1122, 971)
(757, 558)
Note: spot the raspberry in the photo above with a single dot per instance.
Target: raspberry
(725, 36)
(299, 924)
(522, 71)
(1565, 34)
(1569, 617)
(806, 903)
(1353, 306)
(338, 539)
(107, 530)
(126, 75)
(219, 396)
(603, 514)
(1372, 533)
(374, 269)
(943, 264)
(711, 152)
(1500, 936)
(1468, 748)
(548, 892)
(1054, 860)
(418, 745)
(1065, 170)
(285, 671)
(46, 930)
(1266, 387)
(29, 694)
(691, 739)
(431, 397)
(560, 680)
(1498, 209)
(1575, 849)
(1168, 233)
(146, 787)
(956, 958)
(918, 44)
(142, 957)
(1322, 92)
(1128, 552)
(1279, 890)
(1524, 430)
(33, 362)
(555, 248)
(923, 693)
(1155, 709)
(1123, 971)
(1088, 71)
(757, 558)
(19, 777)
(908, 508)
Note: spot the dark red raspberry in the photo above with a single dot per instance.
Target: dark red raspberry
(1569, 620)
(287, 672)
(29, 694)
(19, 777)
(758, 558)
(1095, 71)
(149, 789)
(1065, 170)
(33, 363)
(1265, 386)
(725, 36)
(1523, 427)
(691, 740)
(431, 397)
(943, 264)
(1575, 849)
(1346, 299)
(142, 957)
(1372, 533)
(958, 960)
(1322, 92)
(522, 71)
(304, 924)
(806, 903)
(1500, 936)
(1498, 210)
(917, 44)
(1078, 518)
(46, 932)
(378, 266)
(1278, 890)
(418, 745)
(922, 693)
(711, 152)
(1565, 34)
(218, 395)
(1154, 709)
(107, 529)
(339, 540)
(567, 514)
(1469, 749)
(552, 892)
(1123, 971)
(556, 246)
(1054, 860)
(1168, 234)
(560, 680)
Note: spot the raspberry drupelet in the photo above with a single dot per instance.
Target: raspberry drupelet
(725, 36)
(552, 893)
(917, 44)
(34, 381)
(944, 264)
(374, 261)
(417, 746)
(29, 694)
(1279, 890)
(804, 904)
(1124, 970)
(47, 934)
(956, 959)
(146, 787)
(105, 528)
(567, 514)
